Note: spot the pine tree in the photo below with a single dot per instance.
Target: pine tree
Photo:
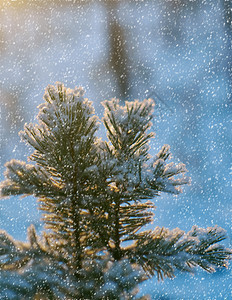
(95, 197)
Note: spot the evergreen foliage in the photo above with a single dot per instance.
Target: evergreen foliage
(95, 197)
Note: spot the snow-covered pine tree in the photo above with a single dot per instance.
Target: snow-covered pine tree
(95, 198)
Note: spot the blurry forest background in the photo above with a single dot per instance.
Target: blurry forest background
(177, 52)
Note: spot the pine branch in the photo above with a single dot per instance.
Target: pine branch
(163, 177)
(126, 126)
(27, 268)
(131, 178)
(28, 179)
(163, 251)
